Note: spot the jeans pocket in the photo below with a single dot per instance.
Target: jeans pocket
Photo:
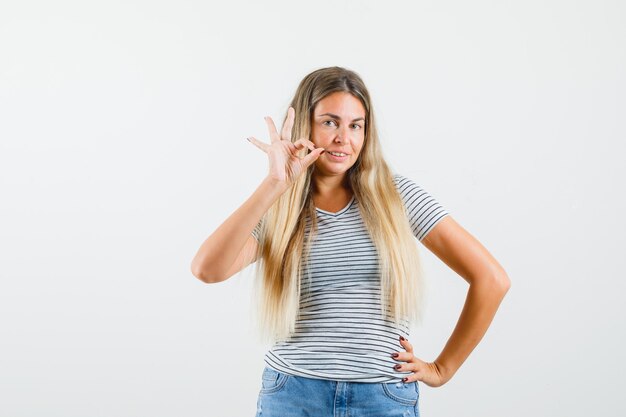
(272, 381)
(405, 393)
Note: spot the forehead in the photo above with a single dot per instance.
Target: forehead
(342, 104)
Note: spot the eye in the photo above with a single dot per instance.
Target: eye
(328, 121)
(357, 125)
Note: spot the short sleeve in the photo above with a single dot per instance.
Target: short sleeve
(423, 210)
(256, 232)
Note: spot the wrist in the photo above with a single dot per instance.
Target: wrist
(271, 189)
(275, 185)
(446, 372)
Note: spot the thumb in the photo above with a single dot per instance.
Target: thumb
(312, 156)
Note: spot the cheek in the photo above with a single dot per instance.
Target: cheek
(359, 148)
(320, 138)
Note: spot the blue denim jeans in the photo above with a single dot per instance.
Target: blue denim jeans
(285, 395)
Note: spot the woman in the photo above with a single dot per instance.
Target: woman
(339, 279)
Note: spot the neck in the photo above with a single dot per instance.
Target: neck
(330, 185)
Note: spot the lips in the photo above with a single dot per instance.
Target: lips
(334, 158)
(346, 153)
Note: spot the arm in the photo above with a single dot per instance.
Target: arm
(231, 247)
(488, 284)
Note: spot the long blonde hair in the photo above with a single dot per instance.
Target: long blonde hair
(282, 251)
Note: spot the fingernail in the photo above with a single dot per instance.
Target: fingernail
(402, 338)
(405, 379)
(395, 355)
(323, 151)
(396, 367)
(248, 139)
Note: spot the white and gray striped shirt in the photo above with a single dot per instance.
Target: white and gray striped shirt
(339, 332)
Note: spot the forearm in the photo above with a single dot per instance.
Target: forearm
(220, 250)
(482, 302)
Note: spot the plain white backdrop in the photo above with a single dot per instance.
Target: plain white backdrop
(122, 129)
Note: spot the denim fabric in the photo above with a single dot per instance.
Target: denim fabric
(283, 395)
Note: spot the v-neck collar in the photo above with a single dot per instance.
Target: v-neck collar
(338, 212)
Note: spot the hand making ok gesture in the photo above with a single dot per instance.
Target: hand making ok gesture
(286, 165)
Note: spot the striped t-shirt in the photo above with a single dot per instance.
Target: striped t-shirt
(339, 333)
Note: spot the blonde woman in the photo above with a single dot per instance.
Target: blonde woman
(334, 233)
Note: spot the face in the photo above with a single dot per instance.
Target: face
(338, 125)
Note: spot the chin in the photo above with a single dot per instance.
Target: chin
(335, 171)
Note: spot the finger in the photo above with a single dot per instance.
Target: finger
(312, 156)
(272, 128)
(411, 378)
(419, 374)
(261, 145)
(298, 151)
(406, 345)
(402, 356)
(293, 148)
(409, 367)
(301, 143)
(288, 125)
(406, 367)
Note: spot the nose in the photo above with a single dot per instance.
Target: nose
(343, 135)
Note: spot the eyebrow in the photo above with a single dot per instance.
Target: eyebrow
(334, 116)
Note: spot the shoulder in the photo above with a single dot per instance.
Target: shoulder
(423, 209)
(405, 185)
(402, 179)
(412, 192)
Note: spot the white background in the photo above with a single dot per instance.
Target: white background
(122, 128)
